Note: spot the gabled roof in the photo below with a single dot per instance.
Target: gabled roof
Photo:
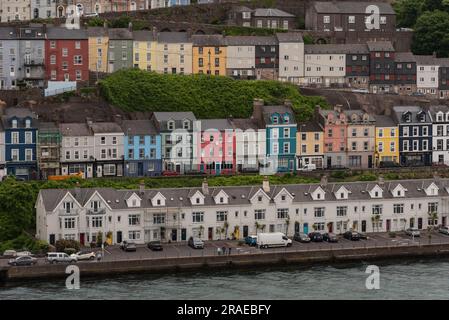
(173, 37)
(74, 129)
(208, 40)
(251, 40)
(271, 12)
(219, 124)
(138, 127)
(289, 37)
(143, 35)
(105, 127)
(120, 34)
(380, 46)
(165, 116)
(60, 33)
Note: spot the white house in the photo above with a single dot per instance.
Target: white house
(241, 57)
(439, 116)
(235, 212)
(291, 57)
(427, 74)
(324, 65)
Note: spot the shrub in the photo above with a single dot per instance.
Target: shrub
(70, 251)
(62, 245)
(392, 234)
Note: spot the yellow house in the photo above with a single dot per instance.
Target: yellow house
(144, 49)
(173, 53)
(309, 144)
(98, 49)
(209, 55)
(387, 140)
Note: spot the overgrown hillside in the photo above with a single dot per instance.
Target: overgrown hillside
(206, 96)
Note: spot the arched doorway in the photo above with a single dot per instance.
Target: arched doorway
(36, 13)
(60, 11)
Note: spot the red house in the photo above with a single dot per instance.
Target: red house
(67, 54)
(217, 147)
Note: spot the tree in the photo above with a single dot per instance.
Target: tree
(407, 12)
(226, 227)
(432, 34)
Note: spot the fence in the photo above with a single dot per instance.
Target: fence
(54, 92)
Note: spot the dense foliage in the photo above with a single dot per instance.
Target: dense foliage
(429, 19)
(206, 96)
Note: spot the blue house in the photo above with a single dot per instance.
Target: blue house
(142, 145)
(20, 125)
(281, 128)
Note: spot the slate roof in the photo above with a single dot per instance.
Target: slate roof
(173, 37)
(120, 34)
(433, 110)
(97, 32)
(350, 7)
(426, 60)
(267, 111)
(244, 124)
(138, 127)
(20, 112)
(7, 33)
(404, 57)
(251, 40)
(75, 129)
(271, 12)
(208, 40)
(414, 110)
(385, 121)
(336, 48)
(143, 35)
(289, 37)
(309, 126)
(105, 127)
(380, 46)
(165, 116)
(60, 33)
(241, 195)
(219, 124)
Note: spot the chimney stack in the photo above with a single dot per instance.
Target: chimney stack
(381, 181)
(337, 108)
(323, 181)
(154, 30)
(205, 187)
(258, 110)
(118, 118)
(288, 103)
(142, 187)
(130, 27)
(77, 189)
(266, 185)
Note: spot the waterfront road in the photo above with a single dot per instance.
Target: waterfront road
(178, 250)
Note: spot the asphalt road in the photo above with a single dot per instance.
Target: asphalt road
(176, 250)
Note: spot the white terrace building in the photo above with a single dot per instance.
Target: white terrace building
(235, 212)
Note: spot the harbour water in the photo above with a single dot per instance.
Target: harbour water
(411, 279)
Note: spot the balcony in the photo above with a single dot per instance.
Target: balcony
(33, 63)
(72, 212)
(99, 211)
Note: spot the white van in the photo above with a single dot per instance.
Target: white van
(53, 257)
(274, 239)
(308, 167)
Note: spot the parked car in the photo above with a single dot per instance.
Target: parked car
(444, 230)
(363, 236)
(84, 255)
(360, 90)
(412, 232)
(23, 254)
(316, 237)
(351, 235)
(155, 246)
(10, 253)
(251, 240)
(330, 237)
(418, 94)
(196, 243)
(301, 237)
(129, 246)
(308, 167)
(123, 244)
(55, 257)
(22, 261)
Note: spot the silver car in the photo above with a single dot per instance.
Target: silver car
(412, 232)
(444, 230)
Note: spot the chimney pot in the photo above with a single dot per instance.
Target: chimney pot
(205, 187)
(266, 184)
(323, 181)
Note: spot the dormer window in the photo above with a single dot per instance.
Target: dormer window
(134, 202)
(197, 200)
(287, 118)
(399, 193)
(186, 125)
(447, 116)
(318, 196)
(27, 123)
(376, 194)
(259, 198)
(275, 119)
(221, 200)
(170, 125)
(283, 198)
(440, 117)
(342, 195)
(14, 123)
(158, 202)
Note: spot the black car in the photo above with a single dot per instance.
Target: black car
(351, 235)
(128, 246)
(330, 237)
(301, 237)
(315, 237)
(362, 236)
(155, 246)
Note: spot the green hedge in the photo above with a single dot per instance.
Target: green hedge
(206, 96)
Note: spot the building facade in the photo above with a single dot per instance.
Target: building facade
(405, 73)
(415, 136)
(209, 55)
(120, 51)
(357, 66)
(291, 57)
(142, 145)
(267, 58)
(21, 127)
(324, 65)
(387, 141)
(310, 145)
(144, 50)
(270, 18)
(382, 66)
(360, 139)
(173, 53)
(427, 74)
(15, 10)
(213, 213)
(241, 57)
(48, 149)
(98, 49)
(439, 116)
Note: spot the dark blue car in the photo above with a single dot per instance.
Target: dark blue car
(251, 240)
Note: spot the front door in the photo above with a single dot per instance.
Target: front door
(443, 221)
(178, 168)
(329, 162)
(210, 233)
(363, 225)
(330, 226)
(82, 239)
(183, 234)
(52, 239)
(217, 168)
(370, 161)
(388, 225)
(119, 237)
(297, 227)
(245, 231)
(140, 169)
(306, 228)
(419, 223)
(174, 234)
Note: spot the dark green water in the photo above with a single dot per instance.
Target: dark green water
(417, 279)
